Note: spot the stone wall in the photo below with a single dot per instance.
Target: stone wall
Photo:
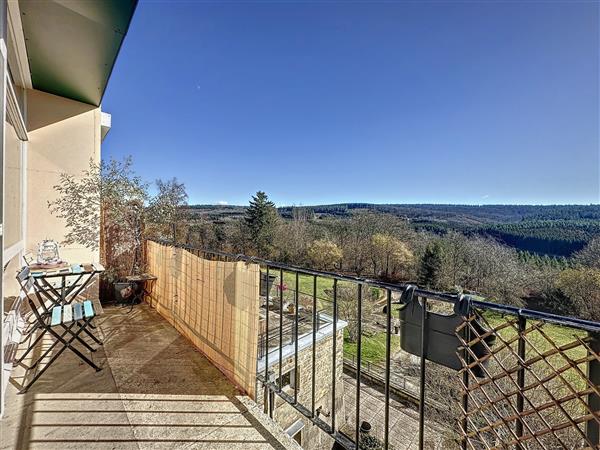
(313, 438)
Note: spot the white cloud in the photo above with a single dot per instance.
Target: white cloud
(485, 196)
(222, 202)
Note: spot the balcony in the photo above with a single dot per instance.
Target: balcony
(496, 376)
(155, 391)
(316, 355)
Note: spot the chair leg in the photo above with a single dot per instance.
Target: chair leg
(81, 341)
(90, 334)
(37, 339)
(73, 349)
(39, 374)
(66, 344)
(49, 349)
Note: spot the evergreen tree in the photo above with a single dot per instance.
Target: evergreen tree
(431, 266)
(261, 222)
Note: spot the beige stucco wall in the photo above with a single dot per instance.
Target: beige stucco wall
(63, 136)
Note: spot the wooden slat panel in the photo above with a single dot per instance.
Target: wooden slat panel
(88, 309)
(77, 311)
(56, 316)
(67, 314)
(214, 304)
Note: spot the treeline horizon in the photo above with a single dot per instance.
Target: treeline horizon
(554, 230)
(445, 250)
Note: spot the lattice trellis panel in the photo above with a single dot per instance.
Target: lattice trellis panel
(532, 386)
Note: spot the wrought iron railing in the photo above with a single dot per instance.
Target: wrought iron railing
(513, 377)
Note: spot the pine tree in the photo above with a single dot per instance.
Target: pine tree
(431, 266)
(261, 222)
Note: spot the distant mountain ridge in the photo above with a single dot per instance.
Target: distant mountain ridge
(465, 214)
(557, 230)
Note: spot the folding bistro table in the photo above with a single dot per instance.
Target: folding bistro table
(56, 291)
(62, 286)
(143, 287)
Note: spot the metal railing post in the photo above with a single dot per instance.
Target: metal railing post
(314, 346)
(465, 376)
(279, 382)
(422, 374)
(267, 408)
(592, 429)
(388, 344)
(358, 362)
(296, 301)
(334, 357)
(522, 322)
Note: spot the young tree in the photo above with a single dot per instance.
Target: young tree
(581, 287)
(389, 253)
(455, 256)
(261, 221)
(431, 266)
(292, 237)
(238, 240)
(589, 256)
(357, 234)
(494, 270)
(166, 210)
(324, 254)
(347, 301)
(104, 208)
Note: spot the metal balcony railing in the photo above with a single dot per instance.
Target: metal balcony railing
(514, 378)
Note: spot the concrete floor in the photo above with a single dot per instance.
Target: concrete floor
(155, 391)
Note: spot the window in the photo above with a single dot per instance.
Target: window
(288, 380)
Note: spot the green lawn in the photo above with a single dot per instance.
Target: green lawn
(538, 342)
(306, 288)
(372, 347)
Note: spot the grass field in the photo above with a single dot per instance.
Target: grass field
(372, 347)
(306, 288)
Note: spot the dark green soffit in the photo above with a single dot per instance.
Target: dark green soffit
(72, 46)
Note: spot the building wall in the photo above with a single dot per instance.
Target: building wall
(12, 185)
(64, 135)
(313, 438)
(13, 210)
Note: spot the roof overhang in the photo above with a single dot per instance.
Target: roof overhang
(105, 124)
(72, 46)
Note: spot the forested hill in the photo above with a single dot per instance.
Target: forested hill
(455, 214)
(465, 214)
(558, 230)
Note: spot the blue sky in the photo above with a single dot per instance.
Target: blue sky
(382, 102)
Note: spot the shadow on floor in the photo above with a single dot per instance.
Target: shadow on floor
(155, 391)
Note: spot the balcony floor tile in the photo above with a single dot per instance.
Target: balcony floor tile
(155, 391)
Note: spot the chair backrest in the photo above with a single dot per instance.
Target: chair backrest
(34, 309)
(23, 274)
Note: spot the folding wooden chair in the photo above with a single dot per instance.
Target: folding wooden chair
(43, 313)
(65, 323)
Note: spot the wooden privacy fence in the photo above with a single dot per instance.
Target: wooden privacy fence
(212, 303)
